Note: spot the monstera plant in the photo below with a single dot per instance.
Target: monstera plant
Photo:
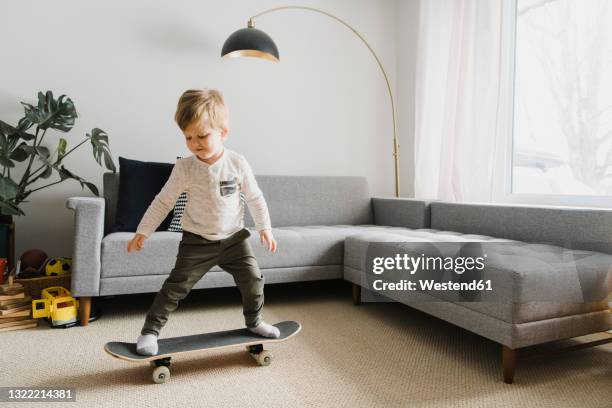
(23, 144)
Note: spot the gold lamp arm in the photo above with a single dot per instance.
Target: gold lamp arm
(395, 137)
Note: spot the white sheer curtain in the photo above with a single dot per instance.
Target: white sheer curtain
(463, 98)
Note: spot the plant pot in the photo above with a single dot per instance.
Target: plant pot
(7, 240)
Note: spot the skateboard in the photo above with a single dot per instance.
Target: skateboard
(167, 348)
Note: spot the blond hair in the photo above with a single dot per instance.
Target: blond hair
(197, 104)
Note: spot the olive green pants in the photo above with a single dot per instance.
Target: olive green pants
(196, 256)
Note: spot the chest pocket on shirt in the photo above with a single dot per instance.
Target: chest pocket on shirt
(228, 187)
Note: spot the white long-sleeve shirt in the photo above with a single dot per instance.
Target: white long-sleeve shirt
(214, 208)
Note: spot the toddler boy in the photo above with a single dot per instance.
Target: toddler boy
(213, 225)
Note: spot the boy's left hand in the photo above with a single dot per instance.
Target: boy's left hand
(266, 238)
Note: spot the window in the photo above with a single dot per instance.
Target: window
(562, 130)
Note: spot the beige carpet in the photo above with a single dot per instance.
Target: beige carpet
(377, 354)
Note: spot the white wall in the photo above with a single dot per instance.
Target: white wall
(323, 110)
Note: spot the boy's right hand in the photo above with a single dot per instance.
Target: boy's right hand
(136, 243)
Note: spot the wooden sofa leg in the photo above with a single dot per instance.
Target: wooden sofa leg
(508, 363)
(356, 294)
(84, 310)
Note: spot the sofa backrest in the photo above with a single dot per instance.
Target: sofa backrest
(576, 228)
(292, 200)
(315, 200)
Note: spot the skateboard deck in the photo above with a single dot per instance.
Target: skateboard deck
(170, 347)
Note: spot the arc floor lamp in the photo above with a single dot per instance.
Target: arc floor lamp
(251, 42)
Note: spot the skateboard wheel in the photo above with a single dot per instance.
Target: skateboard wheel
(161, 374)
(264, 358)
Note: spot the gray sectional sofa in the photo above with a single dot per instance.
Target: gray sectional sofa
(323, 226)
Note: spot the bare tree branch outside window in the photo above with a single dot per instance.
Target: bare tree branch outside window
(563, 97)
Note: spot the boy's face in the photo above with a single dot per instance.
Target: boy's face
(203, 140)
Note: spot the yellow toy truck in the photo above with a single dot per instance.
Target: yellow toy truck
(57, 305)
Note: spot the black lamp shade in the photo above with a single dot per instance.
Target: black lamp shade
(250, 42)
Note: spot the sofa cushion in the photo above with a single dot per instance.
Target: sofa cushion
(139, 183)
(356, 244)
(297, 246)
(527, 272)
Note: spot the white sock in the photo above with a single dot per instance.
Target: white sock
(266, 330)
(147, 345)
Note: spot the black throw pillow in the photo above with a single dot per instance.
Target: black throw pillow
(139, 183)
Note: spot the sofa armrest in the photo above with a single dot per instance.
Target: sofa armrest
(88, 233)
(401, 212)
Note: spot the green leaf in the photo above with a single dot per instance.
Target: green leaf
(4, 149)
(99, 142)
(26, 136)
(108, 162)
(43, 151)
(47, 173)
(29, 149)
(44, 156)
(61, 149)
(9, 137)
(59, 114)
(6, 162)
(19, 154)
(67, 174)
(93, 188)
(100, 135)
(8, 208)
(6, 129)
(8, 188)
(24, 124)
(20, 131)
